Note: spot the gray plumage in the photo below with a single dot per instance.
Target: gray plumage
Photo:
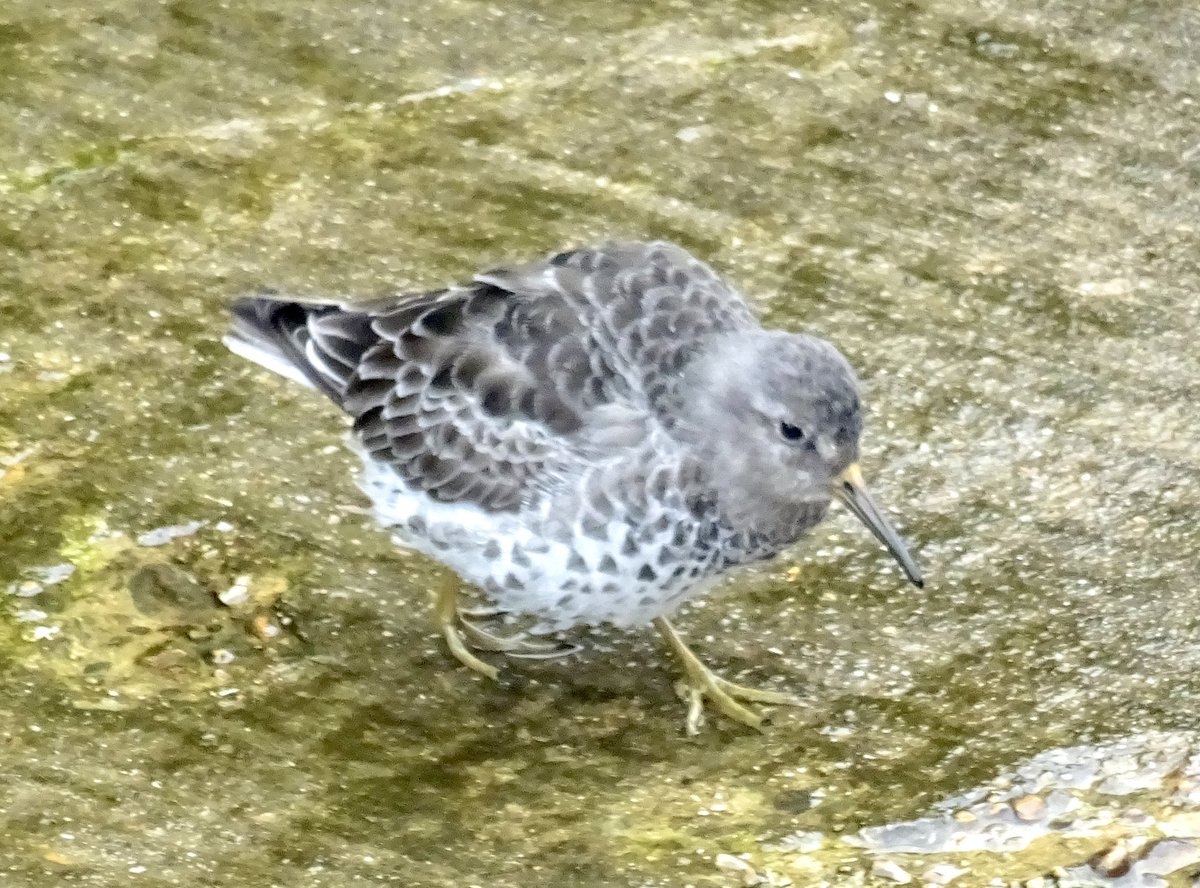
(592, 438)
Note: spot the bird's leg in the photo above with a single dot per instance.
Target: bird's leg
(702, 682)
(516, 645)
(447, 612)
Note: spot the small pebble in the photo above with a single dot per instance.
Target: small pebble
(55, 573)
(1113, 862)
(237, 594)
(735, 866)
(222, 657)
(943, 873)
(692, 133)
(1030, 807)
(893, 872)
(1137, 818)
(160, 536)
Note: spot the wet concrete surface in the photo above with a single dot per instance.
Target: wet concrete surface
(217, 672)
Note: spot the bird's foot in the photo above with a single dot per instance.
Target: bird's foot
(481, 612)
(447, 617)
(459, 632)
(516, 645)
(700, 682)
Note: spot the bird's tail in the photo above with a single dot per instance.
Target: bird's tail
(318, 344)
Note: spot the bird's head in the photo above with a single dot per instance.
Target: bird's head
(782, 416)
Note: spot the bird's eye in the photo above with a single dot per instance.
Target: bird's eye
(791, 432)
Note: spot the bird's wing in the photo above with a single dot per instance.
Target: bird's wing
(640, 311)
(472, 394)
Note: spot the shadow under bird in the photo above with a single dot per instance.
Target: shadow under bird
(595, 438)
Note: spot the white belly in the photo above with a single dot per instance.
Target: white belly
(561, 576)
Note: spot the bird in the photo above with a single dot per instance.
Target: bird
(593, 438)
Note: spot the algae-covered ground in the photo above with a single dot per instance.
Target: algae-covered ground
(216, 672)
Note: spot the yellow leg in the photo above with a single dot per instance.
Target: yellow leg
(702, 682)
(447, 613)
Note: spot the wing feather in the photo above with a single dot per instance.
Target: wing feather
(477, 393)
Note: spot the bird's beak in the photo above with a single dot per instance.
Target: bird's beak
(852, 490)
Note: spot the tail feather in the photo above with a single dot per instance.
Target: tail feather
(319, 344)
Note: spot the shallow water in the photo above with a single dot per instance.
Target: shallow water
(216, 672)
